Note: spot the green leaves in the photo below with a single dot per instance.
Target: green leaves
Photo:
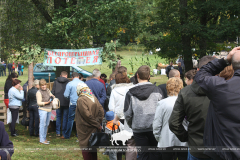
(30, 52)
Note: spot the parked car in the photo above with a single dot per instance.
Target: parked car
(42, 72)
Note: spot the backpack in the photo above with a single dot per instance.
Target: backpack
(55, 104)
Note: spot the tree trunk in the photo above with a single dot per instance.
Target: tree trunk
(202, 40)
(30, 76)
(185, 37)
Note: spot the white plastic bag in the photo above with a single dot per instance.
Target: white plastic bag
(9, 117)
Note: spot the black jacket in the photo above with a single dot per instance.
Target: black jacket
(223, 119)
(31, 97)
(109, 88)
(8, 85)
(58, 89)
(9, 66)
(163, 88)
(168, 69)
(193, 104)
(5, 143)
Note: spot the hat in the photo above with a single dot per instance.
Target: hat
(109, 115)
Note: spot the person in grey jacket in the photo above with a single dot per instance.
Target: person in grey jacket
(139, 110)
(161, 130)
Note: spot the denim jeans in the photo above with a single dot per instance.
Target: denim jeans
(71, 116)
(59, 112)
(19, 72)
(190, 157)
(44, 122)
(34, 117)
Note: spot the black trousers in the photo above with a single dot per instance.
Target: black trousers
(34, 116)
(173, 155)
(146, 139)
(9, 71)
(14, 113)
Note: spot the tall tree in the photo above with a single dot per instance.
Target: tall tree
(178, 26)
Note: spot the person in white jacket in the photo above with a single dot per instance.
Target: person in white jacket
(116, 104)
(164, 136)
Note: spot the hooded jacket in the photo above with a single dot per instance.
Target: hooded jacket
(116, 102)
(58, 89)
(140, 106)
(222, 125)
(193, 104)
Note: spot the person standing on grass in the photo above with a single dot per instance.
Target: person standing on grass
(7, 86)
(58, 89)
(1, 69)
(89, 116)
(22, 67)
(169, 68)
(139, 110)
(13, 67)
(161, 129)
(16, 96)
(31, 102)
(19, 66)
(222, 122)
(97, 87)
(9, 68)
(5, 66)
(71, 94)
(45, 108)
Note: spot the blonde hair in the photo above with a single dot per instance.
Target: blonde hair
(35, 83)
(174, 85)
(42, 82)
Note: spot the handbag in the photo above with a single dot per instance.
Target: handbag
(99, 139)
(25, 121)
(55, 104)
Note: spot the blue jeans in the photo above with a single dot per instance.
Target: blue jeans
(19, 72)
(71, 116)
(59, 112)
(44, 122)
(190, 157)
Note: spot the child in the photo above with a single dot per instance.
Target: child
(113, 155)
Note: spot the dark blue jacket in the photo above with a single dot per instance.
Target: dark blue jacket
(5, 143)
(98, 90)
(222, 128)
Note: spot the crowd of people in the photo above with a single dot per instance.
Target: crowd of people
(204, 114)
(12, 67)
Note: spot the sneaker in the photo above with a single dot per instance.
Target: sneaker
(44, 142)
(62, 137)
(58, 135)
(14, 135)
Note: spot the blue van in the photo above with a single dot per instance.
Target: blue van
(42, 72)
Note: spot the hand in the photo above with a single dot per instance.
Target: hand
(47, 102)
(231, 53)
(115, 122)
(100, 128)
(20, 88)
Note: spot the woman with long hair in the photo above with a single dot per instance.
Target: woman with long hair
(7, 86)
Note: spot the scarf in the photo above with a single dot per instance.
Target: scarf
(84, 90)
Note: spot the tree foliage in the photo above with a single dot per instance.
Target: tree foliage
(177, 26)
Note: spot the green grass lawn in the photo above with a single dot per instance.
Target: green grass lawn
(28, 148)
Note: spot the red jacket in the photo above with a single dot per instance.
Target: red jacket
(102, 82)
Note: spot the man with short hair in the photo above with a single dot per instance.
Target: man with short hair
(163, 87)
(192, 104)
(139, 110)
(71, 94)
(222, 124)
(58, 89)
(169, 68)
(97, 87)
(19, 67)
(5, 66)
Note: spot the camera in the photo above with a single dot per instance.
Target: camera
(51, 98)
